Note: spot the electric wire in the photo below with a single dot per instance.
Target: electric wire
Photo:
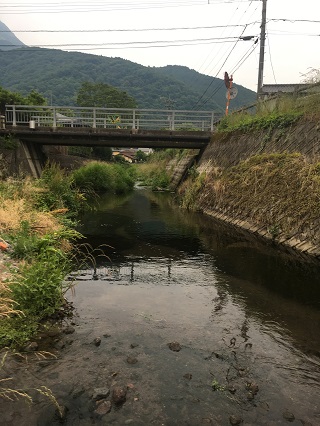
(235, 69)
(125, 46)
(206, 90)
(271, 63)
(212, 81)
(203, 70)
(126, 29)
(244, 13)
(217, 73)
(70, 7)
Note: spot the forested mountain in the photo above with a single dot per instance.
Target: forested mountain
(58, 75)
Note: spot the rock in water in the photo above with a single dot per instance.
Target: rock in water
(175, 346)
(100, 393)
(97, 341)
(104, 407)
(119, 395)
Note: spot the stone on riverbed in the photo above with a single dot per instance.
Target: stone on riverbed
(100, 393)
(103, 407)
(131, 360)
(287, 415)
(119, 395)
(97, 341)
(235, 420)
(175, 346)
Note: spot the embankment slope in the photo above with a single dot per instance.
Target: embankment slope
(265, 180)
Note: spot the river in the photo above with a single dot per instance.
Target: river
(198, 323)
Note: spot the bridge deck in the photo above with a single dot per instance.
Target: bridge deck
(110, 137)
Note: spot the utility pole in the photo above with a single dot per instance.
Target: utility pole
(262, 46)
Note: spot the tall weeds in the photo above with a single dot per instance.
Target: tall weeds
(41, 241)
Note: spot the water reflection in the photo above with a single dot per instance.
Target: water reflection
(251, 308)
(149, 225)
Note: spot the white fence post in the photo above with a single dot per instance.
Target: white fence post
(14, 118)
(212, 120)
(54, 118)
(94, 125)
(172, 120)
(133, 119)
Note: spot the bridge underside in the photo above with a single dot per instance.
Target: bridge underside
(111, 137)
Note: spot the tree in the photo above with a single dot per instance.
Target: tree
(9, 98)
(103, 96)
(13, 98)
(141, 156)
(312, 76)
(35, 98)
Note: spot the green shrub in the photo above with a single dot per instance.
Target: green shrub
(17, 330)
(104, 177)
(160, 180)
(37, 287)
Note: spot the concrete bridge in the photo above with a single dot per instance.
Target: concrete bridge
(36, 126)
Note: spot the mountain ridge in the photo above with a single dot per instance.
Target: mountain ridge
(58, 76)
(8, 40)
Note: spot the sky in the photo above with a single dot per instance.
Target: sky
(204, 35)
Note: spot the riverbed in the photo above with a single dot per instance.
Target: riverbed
(192, 322)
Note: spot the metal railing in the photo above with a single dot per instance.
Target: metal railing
(110, 118)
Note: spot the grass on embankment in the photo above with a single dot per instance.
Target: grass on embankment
(37, 219)
(279, 113)
(155, 172)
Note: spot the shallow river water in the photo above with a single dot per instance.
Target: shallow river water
(197, 322)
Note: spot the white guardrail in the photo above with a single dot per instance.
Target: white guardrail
(110, 118)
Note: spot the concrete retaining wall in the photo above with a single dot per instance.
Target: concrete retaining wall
(229, 149)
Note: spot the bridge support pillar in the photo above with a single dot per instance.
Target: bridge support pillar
(34, 158)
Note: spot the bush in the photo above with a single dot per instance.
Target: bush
(37, 290)
(104, 177)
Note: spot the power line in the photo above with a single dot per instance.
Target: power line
(244, 13)
(234, 46)
(223, 32)
(245, 56)
(211, 39)
(293, 20)
(127, 29)
(237, 66)
(72, 7)
(271, 63)
(126, 45)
